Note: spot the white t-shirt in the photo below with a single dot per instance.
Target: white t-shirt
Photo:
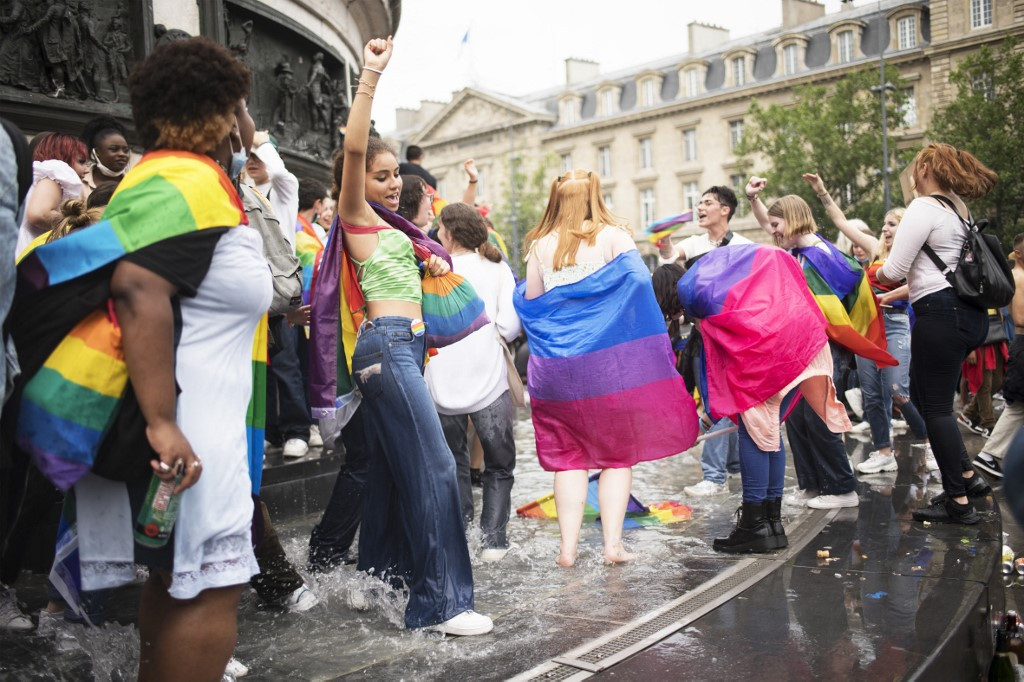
(697, 245)
(281, 190)
(470, 374)
(70, 188)
(926, 221)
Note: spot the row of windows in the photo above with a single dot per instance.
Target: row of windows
(691, 197)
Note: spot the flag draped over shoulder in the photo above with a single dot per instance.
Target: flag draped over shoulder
(760, 325)
(309, 250)
(843, 293)
(68, 404)
(256, 414)
(604, 391)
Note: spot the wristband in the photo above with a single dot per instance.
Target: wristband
(472, 182)
(370, 68)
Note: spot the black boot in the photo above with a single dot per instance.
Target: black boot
(773, 511)
(751, 534)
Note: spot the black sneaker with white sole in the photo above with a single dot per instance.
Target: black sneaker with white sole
(948, 511)
(989, 464)
(973, 425)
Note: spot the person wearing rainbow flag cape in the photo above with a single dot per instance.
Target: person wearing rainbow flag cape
(138, 337)
(843, 293)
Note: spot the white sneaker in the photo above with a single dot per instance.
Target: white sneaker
(48, 623)
(898, 425)
(800, 497)
(11, 617)
(466, 624)
(315, 440)
(706, 488)
(295, 447)
(834, 501)
(861, 427)
(302, 599)
(877, 462)
(493, 554)
(236, 668)
(856, 400)
(357, 599)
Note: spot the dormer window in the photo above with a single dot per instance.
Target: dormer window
(906, 33)
(569, 110)
(608, 100)
(739, 66)
(905, 27)
(790, 59)
(692, 74)
(846, 36)
(844, 47)
(738, 69)
(789, 53)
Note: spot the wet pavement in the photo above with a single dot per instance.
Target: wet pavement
(884, 604)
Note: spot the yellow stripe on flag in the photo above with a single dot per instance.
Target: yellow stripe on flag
(80, 364)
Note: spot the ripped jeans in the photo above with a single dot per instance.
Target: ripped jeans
(412, 529)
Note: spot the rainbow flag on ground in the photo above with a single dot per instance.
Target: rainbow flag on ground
(309, 250)
(604, 390)
(637, 513)
(843, 293)
(760, 325)
(660, 229)
(69, 401)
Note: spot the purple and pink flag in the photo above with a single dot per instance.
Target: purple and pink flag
(604, 391)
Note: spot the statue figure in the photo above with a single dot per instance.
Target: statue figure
(93, 52)
(19, 53)
(284, 110)
(318, 85)
(58, 46)
(165, 35)
(241, 48)
(119, 50)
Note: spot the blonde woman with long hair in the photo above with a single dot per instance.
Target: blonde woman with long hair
(881, 386)
(599, 358)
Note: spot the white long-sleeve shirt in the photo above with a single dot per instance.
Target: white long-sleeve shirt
(926, 221)
(281, 190)
(470, 374)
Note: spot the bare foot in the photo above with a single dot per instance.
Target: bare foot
(617, 555)
(566, 560)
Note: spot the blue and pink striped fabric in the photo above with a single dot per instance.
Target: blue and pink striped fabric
(604, 391)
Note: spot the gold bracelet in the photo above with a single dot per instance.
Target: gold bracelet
(360, 92)
(822, 196)
(367, 84)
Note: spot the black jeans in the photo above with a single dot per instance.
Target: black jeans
(946, 331)
(493, 424)
(331, 539)
(288, 414)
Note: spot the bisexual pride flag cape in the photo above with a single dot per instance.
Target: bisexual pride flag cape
(844, 295)
(76, 372)
(604, 391)
(760, 324)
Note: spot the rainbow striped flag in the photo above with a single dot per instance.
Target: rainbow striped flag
(256, 415)
(604, 391)
(452, 309)
(310, 250)
(660, 229)
(843, 293)
(760, 325)
(68, 404)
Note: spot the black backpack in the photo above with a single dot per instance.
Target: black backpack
(983, 277)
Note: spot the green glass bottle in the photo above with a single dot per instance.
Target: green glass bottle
(159, 511)
(1001, 669)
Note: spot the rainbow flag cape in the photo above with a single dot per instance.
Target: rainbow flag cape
(69, 402)
(603, 385)
(337, 312)
(760, 325)
(310, 250)
(637, 513)
(843, 293)
(660, 229)
(256, 415)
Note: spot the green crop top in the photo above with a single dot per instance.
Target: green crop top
(391, 272)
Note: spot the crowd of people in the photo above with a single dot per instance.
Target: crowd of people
(182, 313)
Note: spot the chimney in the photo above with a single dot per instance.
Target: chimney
(796, 12)
(704, 37)
(579, 70)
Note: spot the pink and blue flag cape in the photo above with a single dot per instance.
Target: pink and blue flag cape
(604, 391)
(757, 314)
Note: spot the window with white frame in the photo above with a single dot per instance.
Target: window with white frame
(908, 109)
(692, 82)
(690, 144)
(647, 207)
(609, 100)
(790, 59)
(844, 47)
(569, 112)
(604, 161)
(691, 195)
(739, 70)
(906, 33)
(565, 162)
(647, 95)
(981, 83)
(607, 198)
(735, 133)
(646, 153)
(981, 13)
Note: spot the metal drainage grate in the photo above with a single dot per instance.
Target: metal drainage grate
(620, 644)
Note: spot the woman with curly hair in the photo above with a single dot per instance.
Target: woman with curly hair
(109, 153)
(186, 292)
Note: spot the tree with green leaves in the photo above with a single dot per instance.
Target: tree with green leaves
(986, 119)
(836, 132)
(525, 195)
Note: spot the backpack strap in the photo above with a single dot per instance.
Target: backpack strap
(945, 200)
(944, 268)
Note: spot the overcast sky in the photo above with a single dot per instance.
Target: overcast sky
(518, 47)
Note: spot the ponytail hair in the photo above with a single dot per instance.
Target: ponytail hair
(956, 170)
(76, 216)
(468, 229)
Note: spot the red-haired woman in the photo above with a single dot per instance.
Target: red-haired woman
(947, 328)
(59, 162)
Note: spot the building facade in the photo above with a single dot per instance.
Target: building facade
(660, 133)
